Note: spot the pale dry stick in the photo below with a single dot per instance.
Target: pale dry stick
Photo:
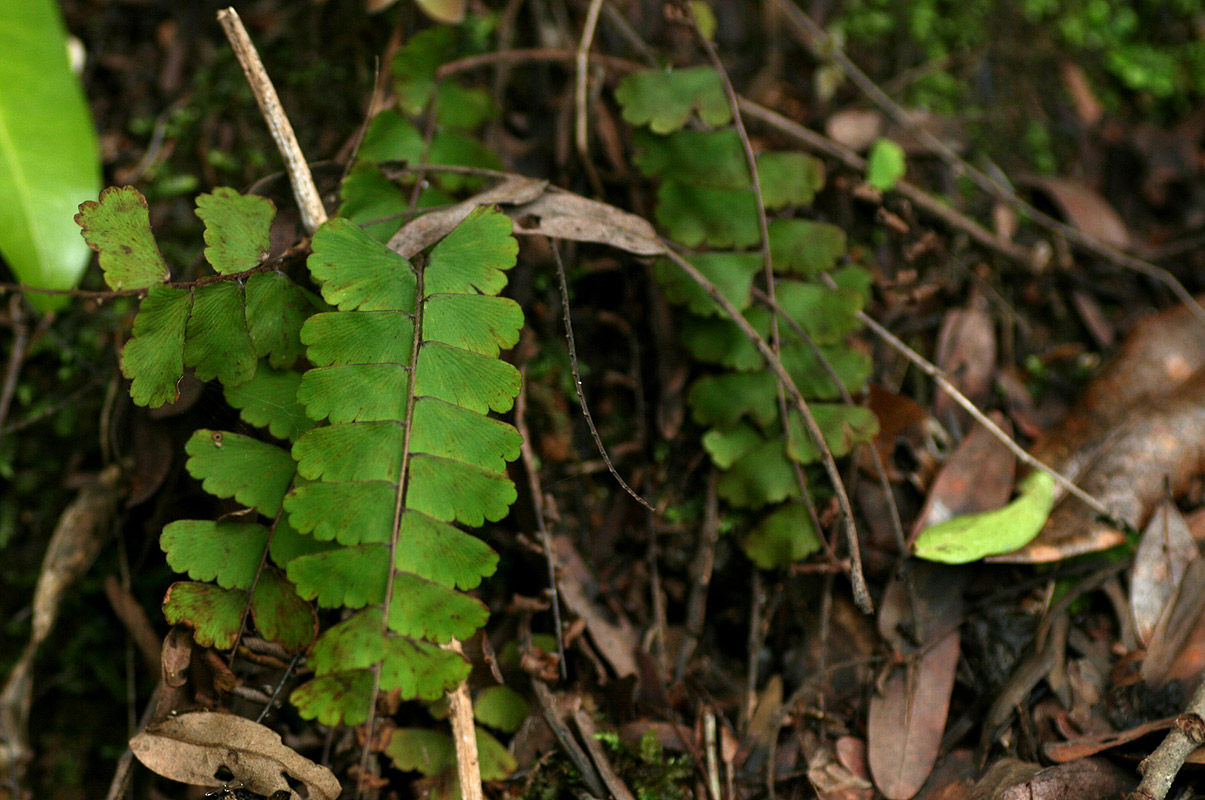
(823, 47)
(581, 135)
(710, 748)
(468, 765)
(305, 192)
(537, 502)
(1160, 768)
(857, 580)
(577, 380)
(935, 373)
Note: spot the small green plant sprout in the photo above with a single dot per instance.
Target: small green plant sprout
(705, 200)
(385, 442)
(885, 165)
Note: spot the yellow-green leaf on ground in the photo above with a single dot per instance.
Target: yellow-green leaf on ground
(975, 536)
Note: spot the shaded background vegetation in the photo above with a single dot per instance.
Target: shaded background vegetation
(176, 118)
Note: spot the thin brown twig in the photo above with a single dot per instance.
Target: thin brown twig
(537, 503)
(16, 355)
(824, 48)
(809, 139)
(824, 146)
(577, 380)
(581, 86)
(880, 468)
(763, 232)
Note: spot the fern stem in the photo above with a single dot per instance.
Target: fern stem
(577, 381)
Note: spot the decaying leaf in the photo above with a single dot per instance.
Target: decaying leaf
(908, 717)
(1136, 429)
(563, 215)
(1083, 207)
(1160, 444)
(1159, 564)
(193, 748)
(977, 477)
(1175, 624)
(616, 641)
(966, 351)
(537, 209)
(1086, 778)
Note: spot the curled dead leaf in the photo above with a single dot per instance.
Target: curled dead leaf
(193, 748)
(1163, 555)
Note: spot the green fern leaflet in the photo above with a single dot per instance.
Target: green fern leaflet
(404, 373)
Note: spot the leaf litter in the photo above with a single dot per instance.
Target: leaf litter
(1105, 443)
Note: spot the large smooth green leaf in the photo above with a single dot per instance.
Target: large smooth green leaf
(49, 158)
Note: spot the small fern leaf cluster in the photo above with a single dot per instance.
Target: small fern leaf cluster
(235, 326)
(705, 200)
(384, 443)
(405, 372)
(218, 328)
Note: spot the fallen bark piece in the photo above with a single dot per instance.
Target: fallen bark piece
(193, 748)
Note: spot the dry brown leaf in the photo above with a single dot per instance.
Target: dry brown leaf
(1175, 624)
(952, 778)
(901, 421)
(616, 640)
(833, 779)
(1136, 427)
(977, 477)
(192, 748)
(856, 128)
(562, 215)
(537, 210)
(421, 233)
(1160, 444)
(1159, 563)
(1083, 207)
(907, 719)
(1086, 779)
(1088, 109)
(762, 729)
(1085, 746)
(966, 352)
